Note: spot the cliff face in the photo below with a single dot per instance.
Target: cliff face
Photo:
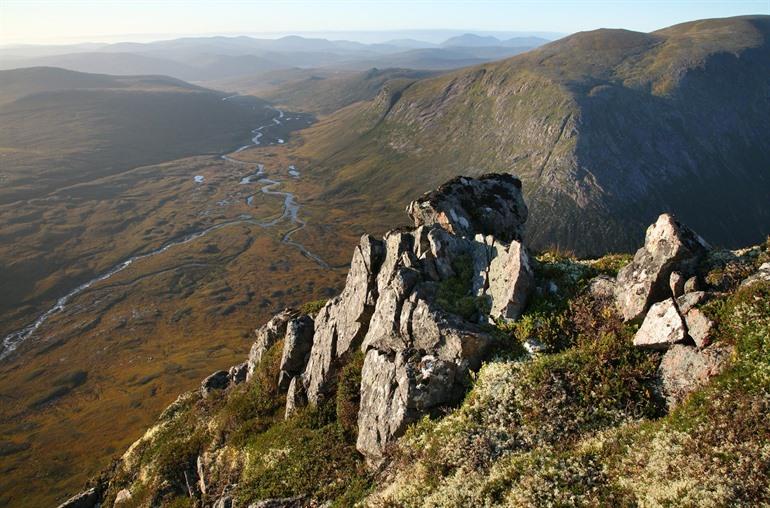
(606, 129)
(457, 369)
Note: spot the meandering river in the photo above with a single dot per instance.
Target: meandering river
(290, 214)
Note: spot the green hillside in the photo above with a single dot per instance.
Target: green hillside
(60, 127)
(610, 126)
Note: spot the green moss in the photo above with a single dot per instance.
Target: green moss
(611, 263)
(455, 293)
(312, 308)
(349, 393)
(254, 406)
(291, 459)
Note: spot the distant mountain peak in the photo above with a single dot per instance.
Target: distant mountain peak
(471, 40)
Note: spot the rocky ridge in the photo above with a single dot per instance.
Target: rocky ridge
(421, 310)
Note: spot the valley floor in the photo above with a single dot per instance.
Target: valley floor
(83, 385)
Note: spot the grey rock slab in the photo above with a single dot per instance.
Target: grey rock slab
(511, 280)
(662, 327)
(296, 348)
(343, 322)
(86, 499)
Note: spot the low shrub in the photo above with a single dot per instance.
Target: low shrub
(312, 308)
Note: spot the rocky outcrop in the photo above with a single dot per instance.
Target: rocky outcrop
(664, 278)
(668, 247)
(270, 333)
(488, 205)
(414, 303)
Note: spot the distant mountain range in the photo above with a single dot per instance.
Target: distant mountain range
(606, 129)
(214, 58)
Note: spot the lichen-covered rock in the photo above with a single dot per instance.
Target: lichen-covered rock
(296, 348)
(699, 327)
(662, 327)
(267, 335)
(685, 368)
(489, 205)
(219, 380)
(669, 246)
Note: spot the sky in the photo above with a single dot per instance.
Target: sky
(69, 21)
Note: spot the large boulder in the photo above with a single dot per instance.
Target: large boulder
(684, 368)
(267, 335)
(669, 246)
(489, 205)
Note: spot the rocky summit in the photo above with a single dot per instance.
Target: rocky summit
(457, 368)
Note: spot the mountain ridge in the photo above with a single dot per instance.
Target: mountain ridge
(610, 126)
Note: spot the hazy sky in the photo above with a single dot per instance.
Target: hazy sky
(35, 21)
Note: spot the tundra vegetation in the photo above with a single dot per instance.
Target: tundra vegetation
(580, 423)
